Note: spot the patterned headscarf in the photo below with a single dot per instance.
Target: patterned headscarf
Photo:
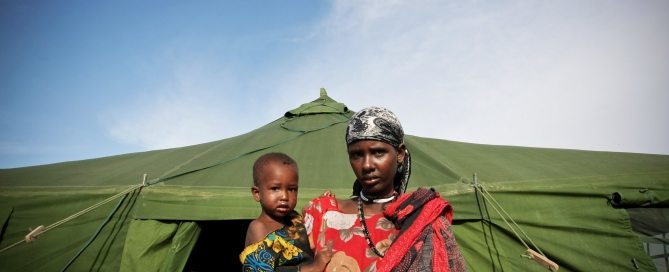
(380, 124)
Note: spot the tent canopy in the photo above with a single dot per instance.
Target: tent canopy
(562, 199)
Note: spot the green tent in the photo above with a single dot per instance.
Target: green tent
(175, 209)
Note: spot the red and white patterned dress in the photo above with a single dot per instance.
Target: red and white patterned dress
(325, 222)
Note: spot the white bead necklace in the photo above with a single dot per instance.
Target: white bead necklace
(378, 200)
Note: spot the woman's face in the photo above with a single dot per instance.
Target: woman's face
(375, 165)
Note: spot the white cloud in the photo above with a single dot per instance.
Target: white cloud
(555, 74)
(564, 74)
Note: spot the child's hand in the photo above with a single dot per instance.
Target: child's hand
(323, 257)
(321, 260)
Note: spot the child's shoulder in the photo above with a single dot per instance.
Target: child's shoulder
(256, 231)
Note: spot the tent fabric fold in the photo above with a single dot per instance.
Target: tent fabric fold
(4, 220)
(643, 197)
(572, 203)
(152, 245)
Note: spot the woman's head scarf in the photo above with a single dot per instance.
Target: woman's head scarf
(380, 124)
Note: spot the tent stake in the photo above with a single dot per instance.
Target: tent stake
(542, 260)
(34, 233)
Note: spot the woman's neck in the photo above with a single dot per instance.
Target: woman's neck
(380, 200)
(350, 206)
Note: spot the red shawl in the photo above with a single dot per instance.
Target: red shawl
(425, 241)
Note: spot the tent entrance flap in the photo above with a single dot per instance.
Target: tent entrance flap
(152, 244)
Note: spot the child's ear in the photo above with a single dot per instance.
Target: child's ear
(256, 193)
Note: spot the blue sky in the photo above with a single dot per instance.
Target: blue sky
(87, 79)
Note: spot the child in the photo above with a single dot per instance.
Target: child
(277, 239)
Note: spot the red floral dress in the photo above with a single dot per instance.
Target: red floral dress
(325, 222)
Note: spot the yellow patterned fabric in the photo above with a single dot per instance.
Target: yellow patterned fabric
(287, 246)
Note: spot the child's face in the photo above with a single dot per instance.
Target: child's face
(277, 189)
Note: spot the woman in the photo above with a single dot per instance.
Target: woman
(380, 228)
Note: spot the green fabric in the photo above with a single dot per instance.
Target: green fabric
(51, 251)
(324, 104)
(643, 197)
(5, 213)
(649, 221)
(561, 198)
(562, 220)
(153, 245)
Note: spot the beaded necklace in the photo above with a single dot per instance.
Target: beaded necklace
(361, 214)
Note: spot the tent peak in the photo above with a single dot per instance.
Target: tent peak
(324, 104)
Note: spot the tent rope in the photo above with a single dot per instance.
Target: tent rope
(542, 259)
(41, 229)
(96, 233)
(490, 198)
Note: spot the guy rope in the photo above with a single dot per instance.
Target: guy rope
(537, 255)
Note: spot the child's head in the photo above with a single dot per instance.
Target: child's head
(275, 184)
